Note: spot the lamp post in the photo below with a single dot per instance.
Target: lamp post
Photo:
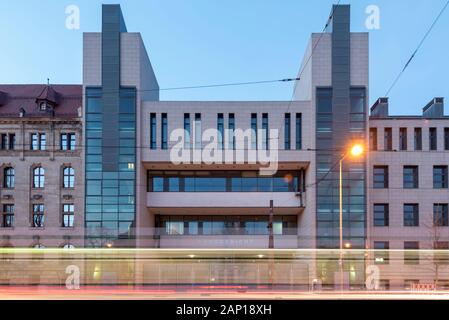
(356, 150)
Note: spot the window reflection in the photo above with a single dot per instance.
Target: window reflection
(226, 225)
(224, 182)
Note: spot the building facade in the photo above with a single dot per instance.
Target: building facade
(251, 174)
(42, 189)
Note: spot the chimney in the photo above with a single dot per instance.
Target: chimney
(434, 109)
(380, 108)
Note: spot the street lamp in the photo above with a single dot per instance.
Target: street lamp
(356, 150)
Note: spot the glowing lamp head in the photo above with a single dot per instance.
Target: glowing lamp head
(356, 150)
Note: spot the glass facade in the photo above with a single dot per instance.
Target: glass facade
(110, 195)
(225, 225)
(329, 154)
(224, 181)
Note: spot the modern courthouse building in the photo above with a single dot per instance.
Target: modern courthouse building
(101, 165)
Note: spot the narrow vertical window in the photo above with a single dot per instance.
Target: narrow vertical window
(373, 139)
(381, 215)
(68, 178)
(231, 127)
(164, 131)
(8, 178)
(411, 215)
(298, 131)
(418, 139)
(446, 138)
(4, 142)
(152, 131)
(287, 131)
(68, 215)
(198, 131)
(38, 215)
(433, 139)
(440, 215)
(187, 130)
(8, 216)
(38, 177)
(12, 141)
(42, 141)
(34, 141)
(388, 139)
(220, 129)
(403, 139)
(254, 131)
(265, 131)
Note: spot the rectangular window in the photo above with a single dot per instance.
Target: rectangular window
(153, 125)
(220, 129)
(381, 255)
(287, 131)
(388, 139)
(433, 138)
(373, 139)
(68, 141)
(440, 215)
(411, 215)
(446, 138)
(174, 227)
(4, 142)
(68, 215)
(298, 131)
(440, 177)
(418, 139)
(231, 127)
(403, 139)
(381, 215)
(411, 253)
(265, 131)
(12, 141)
(187, 130)
(38, 216)
(164, 131)
(38, 141)
(198, 131)
(411, 177)
(380, 177)
(254, 131)
(8, 216)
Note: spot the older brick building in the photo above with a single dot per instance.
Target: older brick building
(41, 193)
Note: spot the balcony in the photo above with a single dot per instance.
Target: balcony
(283, 201)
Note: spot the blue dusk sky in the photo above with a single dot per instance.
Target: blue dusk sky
(200, 42)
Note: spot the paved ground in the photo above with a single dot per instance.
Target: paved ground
(115, 293)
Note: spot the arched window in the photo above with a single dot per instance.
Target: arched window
(69, 177)
(8, 178)
(38, 177)
(69, 246)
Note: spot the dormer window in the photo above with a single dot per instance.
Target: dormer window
(45, 106)
(47, 99)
